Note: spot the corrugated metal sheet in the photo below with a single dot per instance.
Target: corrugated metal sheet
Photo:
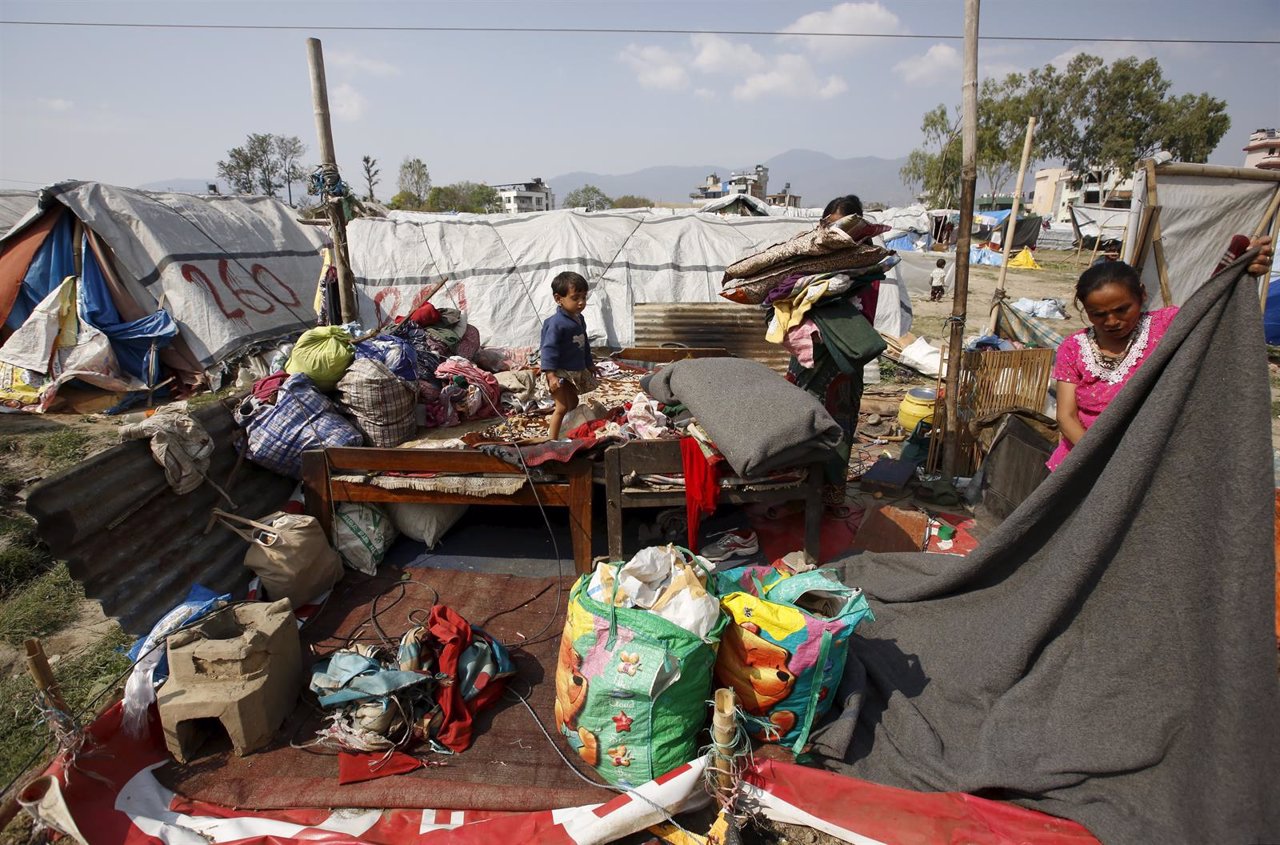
(135, 545)
(737, 328)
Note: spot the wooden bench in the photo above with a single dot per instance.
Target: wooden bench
(571, 489)
(662, 457)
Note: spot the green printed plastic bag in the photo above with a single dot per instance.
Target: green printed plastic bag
(631, 688)
(323, 353)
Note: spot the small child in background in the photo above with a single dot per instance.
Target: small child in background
(565, 351)
(938, 281)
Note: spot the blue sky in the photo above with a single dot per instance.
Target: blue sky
(134, 106)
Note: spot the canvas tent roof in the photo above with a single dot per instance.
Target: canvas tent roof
(233, 272)
(14, 205)
(497, 267)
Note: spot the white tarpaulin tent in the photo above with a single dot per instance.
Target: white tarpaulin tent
(498, 268)
(1091, 221)
(1201, 208)
(233, 272)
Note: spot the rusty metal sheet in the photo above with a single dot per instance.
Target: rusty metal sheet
(135, 545)
(737, 328)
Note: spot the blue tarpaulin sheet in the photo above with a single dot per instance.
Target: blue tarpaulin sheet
(136, 342)
(1271, 319)
(52, 263)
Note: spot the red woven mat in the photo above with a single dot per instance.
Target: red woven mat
(510, 765)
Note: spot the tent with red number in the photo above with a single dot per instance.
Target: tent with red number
(124, 288)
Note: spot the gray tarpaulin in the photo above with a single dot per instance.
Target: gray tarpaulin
(1107, 654)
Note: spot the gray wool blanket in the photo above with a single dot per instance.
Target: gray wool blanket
(1108, 653)
(760, 421)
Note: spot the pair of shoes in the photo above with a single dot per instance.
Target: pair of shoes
(741, 543)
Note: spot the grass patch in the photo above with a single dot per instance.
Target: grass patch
(42, 606)
(81, 679)
(1275, 409)
(22, 557)
(59, 449)
(209, 397)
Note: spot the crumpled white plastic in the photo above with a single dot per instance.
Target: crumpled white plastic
(659, 579)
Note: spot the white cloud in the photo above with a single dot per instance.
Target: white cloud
(1108, 51)
(350, 61)
(717, 54)
(790, 75)
(704, 93)
(346, 103)
(656, 67)
(844, 17)
(55, 103)
(939, 64)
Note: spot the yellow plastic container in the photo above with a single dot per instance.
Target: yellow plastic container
(917, 405)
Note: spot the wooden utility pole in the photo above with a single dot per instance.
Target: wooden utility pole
(968, 185)
(1013, 223)
(337, 223)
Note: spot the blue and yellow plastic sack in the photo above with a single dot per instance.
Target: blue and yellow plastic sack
(631, 688)
(785, 649)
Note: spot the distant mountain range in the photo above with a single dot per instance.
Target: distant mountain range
(815, 176)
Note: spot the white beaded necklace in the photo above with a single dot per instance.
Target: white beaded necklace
(1112, 369)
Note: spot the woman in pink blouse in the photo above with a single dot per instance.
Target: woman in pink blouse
(1094, 364)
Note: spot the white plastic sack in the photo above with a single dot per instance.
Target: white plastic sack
(425, 523)
(363, 533)
(658, 579)
(923, 357)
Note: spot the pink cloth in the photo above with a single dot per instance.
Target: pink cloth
(476, 377)
(799, 341)
(1096, 387)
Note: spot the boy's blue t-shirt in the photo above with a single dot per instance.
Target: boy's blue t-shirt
(564, 343)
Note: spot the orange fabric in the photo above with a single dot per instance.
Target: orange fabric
(16, 259)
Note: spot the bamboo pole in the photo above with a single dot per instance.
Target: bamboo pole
(1157, 241)
(1250, 174)
(968, 186)
(724, 732)
(337, 223)
(38, 666)
(1268, 222)
(1013, 222)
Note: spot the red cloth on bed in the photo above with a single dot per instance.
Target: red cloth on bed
(701, 485)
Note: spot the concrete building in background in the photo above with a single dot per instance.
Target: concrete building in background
(785, 199)
(1263, 149)
(753, 182)
(521, 197)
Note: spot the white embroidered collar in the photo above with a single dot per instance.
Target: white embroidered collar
(1117, 374)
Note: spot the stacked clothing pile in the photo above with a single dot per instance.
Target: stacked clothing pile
(819, 290)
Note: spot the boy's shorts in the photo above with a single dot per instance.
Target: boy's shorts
(584, 381)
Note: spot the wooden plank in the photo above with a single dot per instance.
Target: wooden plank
(613, 499)
(359, 459)
(316, 494)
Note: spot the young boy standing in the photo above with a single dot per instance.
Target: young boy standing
(938, 281)
(566, 352)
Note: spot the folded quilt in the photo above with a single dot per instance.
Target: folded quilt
(758, 420)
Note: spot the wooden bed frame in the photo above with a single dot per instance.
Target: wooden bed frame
(663, 457)
(572, 490)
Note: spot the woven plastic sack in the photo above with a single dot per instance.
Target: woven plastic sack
(631, 688)
(785, 649)
(302, 418)
(323, 353)
(362, 534)
(379, 402)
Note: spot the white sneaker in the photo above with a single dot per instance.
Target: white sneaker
(741, 543)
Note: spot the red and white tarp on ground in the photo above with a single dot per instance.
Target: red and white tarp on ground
(111, 795)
